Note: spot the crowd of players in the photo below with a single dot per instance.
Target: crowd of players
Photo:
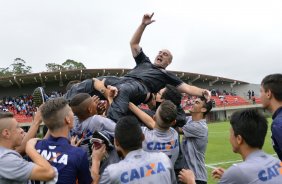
(98, 134)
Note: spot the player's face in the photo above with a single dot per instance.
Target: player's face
(198, 106)
(233, 141)
(264, 96)
(163, 59)
(16, 134)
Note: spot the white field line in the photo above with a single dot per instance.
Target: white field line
(220, 163)
(213, 165)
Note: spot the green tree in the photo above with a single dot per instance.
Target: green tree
(19, 67)
(53, 67)
(4, 72)
(73, 65)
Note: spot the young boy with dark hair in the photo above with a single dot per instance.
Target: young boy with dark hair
(271, 98)
(138, 166)
(195, 139)
(247, 135)
(87, 122)
(162, 138)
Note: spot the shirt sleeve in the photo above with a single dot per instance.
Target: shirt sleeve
(107, 125)
(105, 177)
(85, 86)
(84, 176)
(232, 175)
(276, 130)
(15, 168)
(193, 130)
(141, 58)
(173, 80)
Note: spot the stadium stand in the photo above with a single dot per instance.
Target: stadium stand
(56, 81)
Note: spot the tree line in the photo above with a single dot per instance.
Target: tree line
(19, 66)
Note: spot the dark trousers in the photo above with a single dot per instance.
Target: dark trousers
(129, 90)
(200, 182)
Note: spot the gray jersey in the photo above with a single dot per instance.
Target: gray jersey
(258, 168)
(161, 141)
(92, 124)
(194, 146)
(13, 168)
(140, 167)
(96, 123)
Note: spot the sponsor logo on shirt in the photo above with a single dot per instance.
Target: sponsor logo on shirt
(55, 157)
(142, 172)
(161, 146)
(270, 172)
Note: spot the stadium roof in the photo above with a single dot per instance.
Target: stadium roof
(63, 77)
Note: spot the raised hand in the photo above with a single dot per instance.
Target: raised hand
(30, 145)
(74, 141)
(99, 153)
(101, 107)
(147, 19)
(207, 95)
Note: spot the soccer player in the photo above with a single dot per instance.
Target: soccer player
(247, 135)
(195, 139)
(163, 138)
(71, 162)
(13, 168)
(271, 98)
(138, 166)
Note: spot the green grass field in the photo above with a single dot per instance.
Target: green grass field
(219, 152)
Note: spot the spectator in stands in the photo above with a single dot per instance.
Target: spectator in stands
(163, 137)
(271, 98)
(195, 139)
(221, 100)
(71, 162)
(138, 165)
(254, 100)
(213, 92)
(213, 103)
(247, 135)
(249, 94)
(235, 100)
(87, 122)
(13, 168)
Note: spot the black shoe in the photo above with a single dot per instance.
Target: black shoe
(38, 96)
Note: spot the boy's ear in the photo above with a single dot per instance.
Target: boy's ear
(268, 94)
(67, 120)
(173, 122)
(116, 143)
(239, 139)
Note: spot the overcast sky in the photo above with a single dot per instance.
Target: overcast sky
(238, 39)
